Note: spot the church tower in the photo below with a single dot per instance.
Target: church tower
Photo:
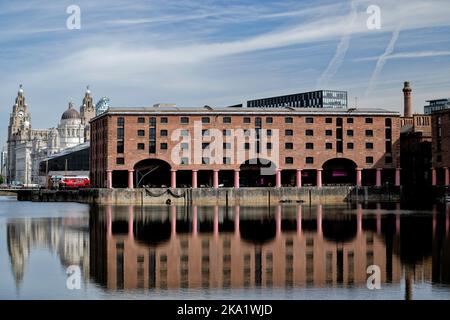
(19, 130)
(87, 112)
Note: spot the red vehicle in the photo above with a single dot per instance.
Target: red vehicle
(77, 182)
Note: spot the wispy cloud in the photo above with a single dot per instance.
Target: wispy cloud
(382, 60)
(340, 53)
(409, 55)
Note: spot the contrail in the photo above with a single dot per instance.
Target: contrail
(339, 56)
(382, 60)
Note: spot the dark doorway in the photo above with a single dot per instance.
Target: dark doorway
(257, 173)
(153, 173)
(339, 171)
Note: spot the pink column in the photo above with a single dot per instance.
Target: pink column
(378, 182)
(109, 220)
(194, 222)
(236, 178)
(130, 179)
(299, 178)
(319, 178)
(173, 179)
(237, 217)
(319, 220)
(278, 221)
(216, 222)
(174, 222)
(433, 177)
(397, 177)
(109, 179)
(359, 219)
(278, 178)
(194, 179)
(130, 222)
(358, 177)
(216, 179)
(447, 176)
(299, 220)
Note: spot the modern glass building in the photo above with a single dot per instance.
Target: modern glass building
(314, 99)
(436, 105)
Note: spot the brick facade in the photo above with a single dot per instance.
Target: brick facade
(441, 148)
(369, 130)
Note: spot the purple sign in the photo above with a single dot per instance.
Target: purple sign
(338, 173)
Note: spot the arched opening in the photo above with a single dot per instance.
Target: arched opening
(257, 173)
(153, 173)
(339, 171)
(152, 232)
(258, 231)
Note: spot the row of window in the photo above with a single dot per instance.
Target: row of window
(227, 160)
(227, 146)
(258, 120)
(287, 132)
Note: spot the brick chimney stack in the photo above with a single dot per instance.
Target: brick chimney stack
(407, 112)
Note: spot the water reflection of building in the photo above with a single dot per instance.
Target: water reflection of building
(289, 246)
(65, 237)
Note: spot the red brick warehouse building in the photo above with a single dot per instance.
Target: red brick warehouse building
(135, 147)
(441, 148)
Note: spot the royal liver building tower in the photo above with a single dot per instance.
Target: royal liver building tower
(27, 146)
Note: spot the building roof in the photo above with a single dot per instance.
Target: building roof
(67, 151)
(249, 111)
(71, 113)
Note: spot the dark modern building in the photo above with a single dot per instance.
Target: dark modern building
(72, 161)
(436, 105)
(314, 99)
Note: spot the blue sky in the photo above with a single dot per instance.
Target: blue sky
(219, 53)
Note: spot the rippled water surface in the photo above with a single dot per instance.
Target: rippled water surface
(281, 252)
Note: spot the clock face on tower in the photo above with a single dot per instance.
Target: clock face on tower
(20, 114)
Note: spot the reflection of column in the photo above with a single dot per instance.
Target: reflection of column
(109, 220)
(397, 218)
(173, 179)
(319, 220)
(216, 222)
(278, 221)
(130, 179)
(174, 221)
(194, 222)
(237, 217)
(358, 177)
(130, 221)
(216, 179)
(434, 224)
(359, 218)
(397, 177)
(447, 176)
(433, 177)
(299, 178)
(447, 220)
(299, 220)
(236, 178)
(378, 179)
(319, 178)
(278, 178)
(378, 217)
(194, 179)
(109, 179)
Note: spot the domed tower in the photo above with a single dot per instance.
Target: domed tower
(70, 129)
(87, 112)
